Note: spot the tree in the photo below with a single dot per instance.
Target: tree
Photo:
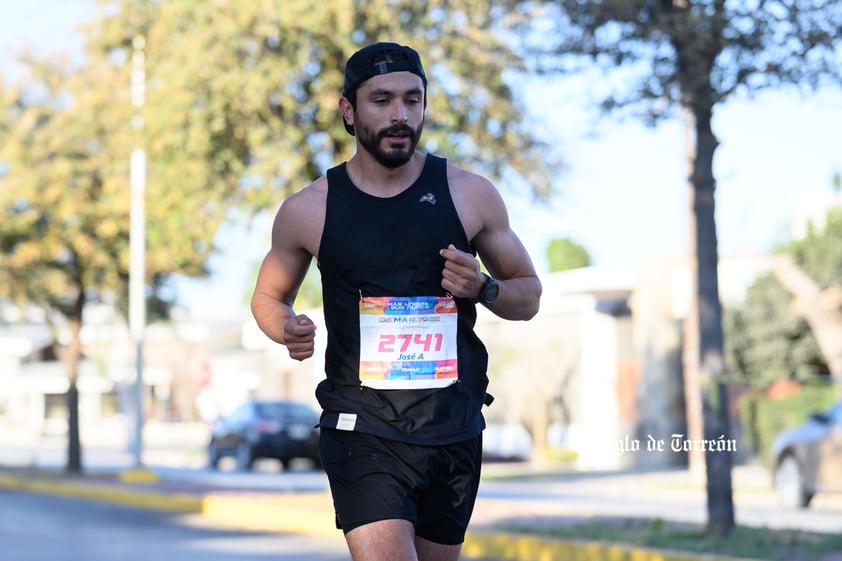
(766, 341)
(62, 236)
(769, 339)
(564, 254)
(240, 110)
(811, 270)
(693, 54)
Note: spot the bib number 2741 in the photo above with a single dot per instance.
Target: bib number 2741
(408, 342)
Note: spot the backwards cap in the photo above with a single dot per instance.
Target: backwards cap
(380, 58)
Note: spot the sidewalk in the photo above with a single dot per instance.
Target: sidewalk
(310, 513)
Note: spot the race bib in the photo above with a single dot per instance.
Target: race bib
(408, 342)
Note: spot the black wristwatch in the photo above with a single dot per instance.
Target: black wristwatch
(489, 291)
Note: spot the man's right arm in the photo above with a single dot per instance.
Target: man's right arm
(281, 274)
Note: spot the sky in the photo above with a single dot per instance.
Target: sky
(623, 193)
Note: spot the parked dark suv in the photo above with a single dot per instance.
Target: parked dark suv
(283, 430)
(808, 458)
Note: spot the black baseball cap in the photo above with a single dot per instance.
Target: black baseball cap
(377, 59)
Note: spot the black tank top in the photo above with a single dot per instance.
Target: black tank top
(373, 246)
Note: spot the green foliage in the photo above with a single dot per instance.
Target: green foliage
(765, 341)
(564, 254)
(240, 110)
(819, 253)
(690, 53)
(744, 542)
(764, 418)
(63, 196)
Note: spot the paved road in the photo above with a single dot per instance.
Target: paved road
(671, 495)
(668, 494)
(39, 528)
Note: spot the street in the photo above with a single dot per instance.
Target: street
(37, 527)
(509, 493)
(670, 494)
(666, 494)
(564, 498)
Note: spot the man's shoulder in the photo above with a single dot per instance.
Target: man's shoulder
(463, 179)
(314, 193)
(301, 217)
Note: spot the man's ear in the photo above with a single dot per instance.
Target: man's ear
(347, 111)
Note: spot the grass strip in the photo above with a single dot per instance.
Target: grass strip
(743, 542)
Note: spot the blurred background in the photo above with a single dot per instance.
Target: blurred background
(227, 107)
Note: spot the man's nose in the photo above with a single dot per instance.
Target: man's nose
(399, 113)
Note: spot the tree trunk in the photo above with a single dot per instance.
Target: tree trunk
(70, 357)
(694, 413)
(821, 308)
(712, 372)
(74, 443)
(71, 360)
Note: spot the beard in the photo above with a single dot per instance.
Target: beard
(390, 158)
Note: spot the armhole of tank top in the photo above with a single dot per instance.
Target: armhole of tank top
(443, 171)
(334, 175)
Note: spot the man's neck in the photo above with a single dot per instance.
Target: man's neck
(372, 177)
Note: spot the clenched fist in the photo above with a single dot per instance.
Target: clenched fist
(300, 337)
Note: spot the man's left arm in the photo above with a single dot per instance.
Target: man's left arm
(506, 260)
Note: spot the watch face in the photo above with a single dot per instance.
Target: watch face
(490, 291)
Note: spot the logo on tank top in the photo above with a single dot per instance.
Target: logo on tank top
(428, 198)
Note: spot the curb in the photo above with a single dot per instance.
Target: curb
(521, 547)
(297, 513)
(309, 514)
(171, 502)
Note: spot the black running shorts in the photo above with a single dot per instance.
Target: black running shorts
(373, 479)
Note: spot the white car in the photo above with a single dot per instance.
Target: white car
(808, 458)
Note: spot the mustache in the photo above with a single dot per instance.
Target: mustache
(397, 129)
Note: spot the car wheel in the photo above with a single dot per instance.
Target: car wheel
(213, 456)
(789, 484)
(245, 457)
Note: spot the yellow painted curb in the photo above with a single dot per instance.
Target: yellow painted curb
(522, 547)
(301, 513)
(143, 498)
(138, 475)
